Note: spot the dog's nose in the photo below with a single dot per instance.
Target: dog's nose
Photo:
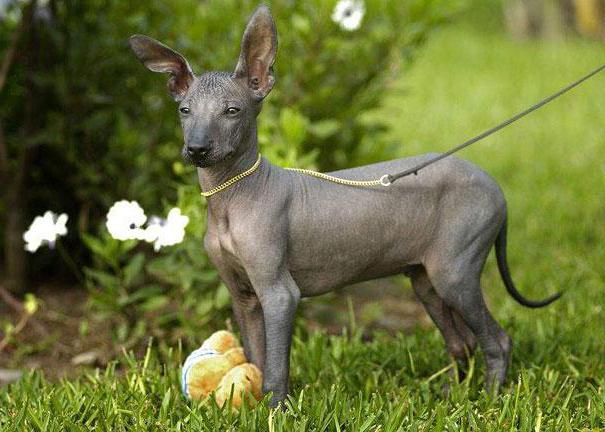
(197, 151)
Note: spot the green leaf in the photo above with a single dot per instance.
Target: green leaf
(93, 243)
(127, 245)
(324, 128)
(144, 293)
(134, 269)
(103, 279)
(155, 303)
(99, 248)
(204, 307)
(301, 23)
(222, 297)
(293, 126)
(31, 304)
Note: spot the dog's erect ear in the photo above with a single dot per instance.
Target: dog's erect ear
(259, 46)
(157, 57)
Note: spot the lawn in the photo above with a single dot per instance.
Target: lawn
(550, 166)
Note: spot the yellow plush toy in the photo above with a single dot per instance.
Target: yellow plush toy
(245, 379)
(220, 365)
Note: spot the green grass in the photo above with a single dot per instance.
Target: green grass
(340, 383)
(550, 166)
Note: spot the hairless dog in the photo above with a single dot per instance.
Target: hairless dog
(277, 235)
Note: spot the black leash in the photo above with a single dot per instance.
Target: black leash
(391, 178)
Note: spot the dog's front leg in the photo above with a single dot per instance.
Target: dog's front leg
(249, 315)
(279, 298)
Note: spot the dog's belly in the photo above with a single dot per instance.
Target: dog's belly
(316, 282)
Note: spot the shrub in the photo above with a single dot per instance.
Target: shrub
(108, 131)
(144, 293)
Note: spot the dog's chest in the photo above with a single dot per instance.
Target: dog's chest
(220, 245)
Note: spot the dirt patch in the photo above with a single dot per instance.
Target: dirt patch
(383, 304)
(64, 340)
(60, 332)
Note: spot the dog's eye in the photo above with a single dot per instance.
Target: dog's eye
(232, 110)
(184, 110)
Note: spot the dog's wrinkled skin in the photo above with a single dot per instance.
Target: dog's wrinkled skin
(278, 235)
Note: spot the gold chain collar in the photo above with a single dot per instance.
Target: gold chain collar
(382, 181)
(233, 180)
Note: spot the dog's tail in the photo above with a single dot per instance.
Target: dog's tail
(500, 247)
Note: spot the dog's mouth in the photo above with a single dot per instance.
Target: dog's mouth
(206, 161)
(196, 162)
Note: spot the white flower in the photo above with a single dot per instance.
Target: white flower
(348, 14)
(124, 220)
(45, 230)
(154, 226)
(166, 232)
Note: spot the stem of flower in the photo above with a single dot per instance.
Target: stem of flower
(70, 262)
(25, 316)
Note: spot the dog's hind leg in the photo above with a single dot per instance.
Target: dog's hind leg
(460, 289)
(459, 339)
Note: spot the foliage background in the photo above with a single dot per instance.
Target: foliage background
(84, 125)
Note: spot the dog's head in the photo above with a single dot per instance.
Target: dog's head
(218, 110)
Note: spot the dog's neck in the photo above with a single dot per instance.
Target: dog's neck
(221, 172)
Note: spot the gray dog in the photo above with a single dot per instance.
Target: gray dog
(277, 235)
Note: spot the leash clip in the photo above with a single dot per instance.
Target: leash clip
(385, 180)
